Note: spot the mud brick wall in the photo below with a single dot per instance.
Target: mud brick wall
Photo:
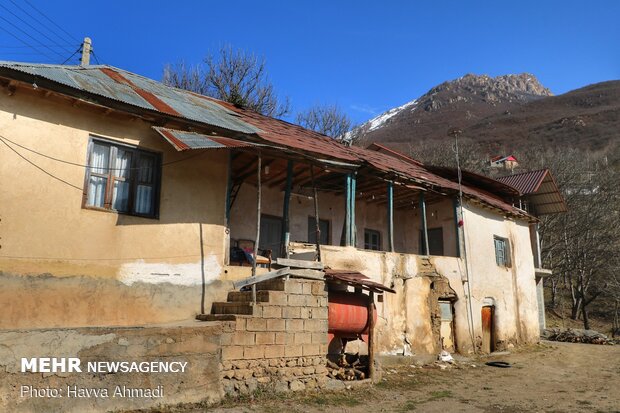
(283, 344)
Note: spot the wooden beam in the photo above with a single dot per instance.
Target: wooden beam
(390, 215)
(309, 274)
(424, 223)
(253, 280)
(286, 228)
(312, 265)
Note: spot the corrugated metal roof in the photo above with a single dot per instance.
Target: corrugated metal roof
(356, 279)
(525, 182)
(182, 140)
(130, 88)
(539, 189)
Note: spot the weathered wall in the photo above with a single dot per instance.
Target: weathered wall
(283, 345)
(198, 344)
(44, 229)
(407, 315)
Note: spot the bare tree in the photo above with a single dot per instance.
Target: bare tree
(329, 120)
(234, 76)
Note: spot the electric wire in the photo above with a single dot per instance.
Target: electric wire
(470, 313)
(34, 28)
(26, 43)
(5, 140)
(70, 36)
(74, 53)
(30, 36)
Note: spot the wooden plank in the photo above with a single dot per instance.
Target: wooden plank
(313, 265)
(310, 274)
(306, 256)
(260, 278)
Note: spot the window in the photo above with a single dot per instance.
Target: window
(123, 179)
(372, 240)
(502, 251)
(435, 241)
(323, 227)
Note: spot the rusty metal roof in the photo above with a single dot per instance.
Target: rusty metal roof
(182, 140)
(132, 89)
(355, 279)
(539, 189)
(135, 90)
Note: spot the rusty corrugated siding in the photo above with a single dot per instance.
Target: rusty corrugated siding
(526, 182)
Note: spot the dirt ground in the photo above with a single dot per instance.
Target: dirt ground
(550, 377)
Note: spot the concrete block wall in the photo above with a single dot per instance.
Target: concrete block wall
(281, 342)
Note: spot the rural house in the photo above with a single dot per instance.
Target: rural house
(127, 202)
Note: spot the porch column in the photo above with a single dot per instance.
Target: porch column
(424, 223)
(349, 220)
(390, 215)
(229, 184)
(286, 228)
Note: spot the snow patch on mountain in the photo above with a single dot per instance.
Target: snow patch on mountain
(378, 121)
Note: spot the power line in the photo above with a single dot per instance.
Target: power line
(47, 18)
(26, 43)
(41, 169)
(33, 28)
(27, 34)
(74, 53)
(5, 140)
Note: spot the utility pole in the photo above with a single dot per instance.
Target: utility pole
(86, 49)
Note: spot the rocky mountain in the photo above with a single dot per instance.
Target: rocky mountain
(504, 113)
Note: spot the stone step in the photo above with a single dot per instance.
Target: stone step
(246, 296)
(232, 308)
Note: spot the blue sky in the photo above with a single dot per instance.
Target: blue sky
(366, 56)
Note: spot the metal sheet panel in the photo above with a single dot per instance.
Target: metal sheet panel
(182, 140)
(108, 82)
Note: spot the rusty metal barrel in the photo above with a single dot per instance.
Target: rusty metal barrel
(348, 313)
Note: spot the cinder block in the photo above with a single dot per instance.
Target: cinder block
(319, 338)
(265, 338)
(306, 288)
(293, 351)
(291, 312)
(276, 324)
(321, 313)
(312, 300)
(278, 298)
(297, 300)
(256, 324)
(226, 339)
(315, 326)
(254, 352)
(311, 349)
(272, 311)
(323, 302)
(244, 338)
(323, 349)
(319, 288)
(293, 286)
(285, 338)
(303, 338)
(293, 326)
(232, 353)
(240, 324)
(274, 351)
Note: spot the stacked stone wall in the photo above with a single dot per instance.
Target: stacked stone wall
(282, 344)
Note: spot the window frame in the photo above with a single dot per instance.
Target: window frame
(507, 262)
(379, 239)
(133, 181)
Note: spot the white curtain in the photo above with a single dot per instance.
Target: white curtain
(99, 163)
(120, 196)
(144, 192)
